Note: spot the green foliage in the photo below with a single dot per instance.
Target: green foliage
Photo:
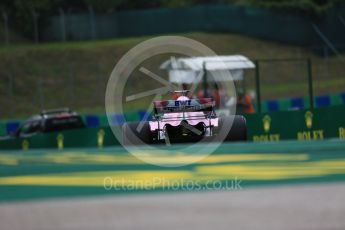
(21, 12)
(316, 6)
(305, 6)
(103, 5)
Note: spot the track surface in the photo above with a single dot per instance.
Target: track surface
(76, 172)
(315, 207)
(285, 185)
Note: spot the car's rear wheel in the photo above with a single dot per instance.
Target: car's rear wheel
(238, 130)
(136, 133)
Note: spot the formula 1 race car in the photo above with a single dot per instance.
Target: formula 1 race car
(185, 120)
(47, 121)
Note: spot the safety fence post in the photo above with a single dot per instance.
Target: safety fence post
(257, 81)
(310, 84)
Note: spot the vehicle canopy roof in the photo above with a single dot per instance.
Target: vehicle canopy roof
(187, 70)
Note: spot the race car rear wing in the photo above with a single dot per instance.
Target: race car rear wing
(192, 105)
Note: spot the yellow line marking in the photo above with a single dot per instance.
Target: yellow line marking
(94, 178)
(101, 158)
(272, 172)
(250, 171)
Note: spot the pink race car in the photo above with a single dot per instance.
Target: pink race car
(185, 120)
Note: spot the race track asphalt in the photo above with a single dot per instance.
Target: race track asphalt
(314, 207)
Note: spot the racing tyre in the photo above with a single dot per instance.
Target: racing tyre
(238, 131)
(131, 136)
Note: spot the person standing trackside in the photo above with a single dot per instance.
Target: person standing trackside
(244, 103)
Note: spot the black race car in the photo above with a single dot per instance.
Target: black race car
(48, 121)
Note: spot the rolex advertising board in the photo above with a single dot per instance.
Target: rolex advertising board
(314, 124)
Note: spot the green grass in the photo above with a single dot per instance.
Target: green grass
(300, 88)
(71, 45)
(75, 74)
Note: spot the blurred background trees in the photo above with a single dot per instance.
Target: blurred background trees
(23, 16)
(20, 7)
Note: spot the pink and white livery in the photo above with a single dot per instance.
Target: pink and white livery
(184, 120)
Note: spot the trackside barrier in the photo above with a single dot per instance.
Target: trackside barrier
(3, 130)
(283, 104)
(88, 137)
(317, 124)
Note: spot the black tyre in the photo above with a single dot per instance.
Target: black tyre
(238, 131)
(132, 136)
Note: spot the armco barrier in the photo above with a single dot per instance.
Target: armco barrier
(92, 121)
(318, 124)
(285, 104)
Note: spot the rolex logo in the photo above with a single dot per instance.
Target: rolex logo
(100, 138)
(25, 144)
(59, 139)
(266, 120)
(308, 119)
